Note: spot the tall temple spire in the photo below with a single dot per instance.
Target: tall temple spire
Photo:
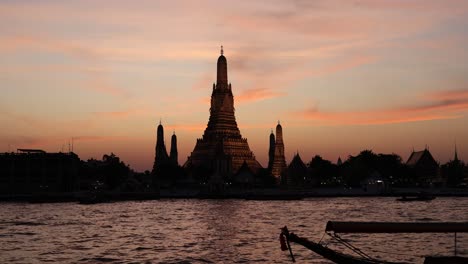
(222, 119)
(222, 77)
(279, 135)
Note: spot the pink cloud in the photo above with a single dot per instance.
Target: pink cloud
(100, 138)
(122, 114)
(348, 63)
(27, 120)
(10, 43)
(188, 127)
(450, 6)
(18, 141)
(257, 94)
(199, 128)
(97, 78)
(449, 95)
(99, 81)
(445, 105)
(370, 118)
(249, 96)
(116, 114)
(205, 82)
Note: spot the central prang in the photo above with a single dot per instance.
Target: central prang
(222, 151)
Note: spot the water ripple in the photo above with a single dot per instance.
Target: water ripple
(213, 231)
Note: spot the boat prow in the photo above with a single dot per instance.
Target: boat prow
(334, 227)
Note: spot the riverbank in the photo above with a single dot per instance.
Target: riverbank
(251, 194)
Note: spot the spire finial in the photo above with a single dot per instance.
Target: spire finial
(222, 51)
(272, 131)
(456, 154)
(279, 122)
(159, 121)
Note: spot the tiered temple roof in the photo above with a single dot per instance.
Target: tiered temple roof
(222, 138)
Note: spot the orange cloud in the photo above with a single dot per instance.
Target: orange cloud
(378, 117)
(116, 114)
(423, 6)
(346, 64)
(99, 81)
(18, 141)
(257, 94)
(446, 105)
(188, 127)
(205, 82)
(17, 42)
(249, 96)
(201, 127)
(122, 114)
(99, 138)
(449, 95)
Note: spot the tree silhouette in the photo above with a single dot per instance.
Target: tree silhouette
(453, 172)
(323, 172)
(389, 166)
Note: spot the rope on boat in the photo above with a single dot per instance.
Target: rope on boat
(361, 253)
(286, 237)
(320, 241)
(351, 247)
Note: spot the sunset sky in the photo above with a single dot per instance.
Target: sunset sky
(341, 76)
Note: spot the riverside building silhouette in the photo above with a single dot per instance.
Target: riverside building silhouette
(36, 171)
(424, 167)
(222, 150)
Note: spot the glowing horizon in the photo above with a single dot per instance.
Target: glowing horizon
(342, 77)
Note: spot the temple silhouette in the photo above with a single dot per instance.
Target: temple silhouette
(161, 158)
(222, 150)
(220, 165)
(277, 161)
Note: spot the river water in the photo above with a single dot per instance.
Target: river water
(214, 231)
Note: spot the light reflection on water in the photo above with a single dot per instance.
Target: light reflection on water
(213, 231)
